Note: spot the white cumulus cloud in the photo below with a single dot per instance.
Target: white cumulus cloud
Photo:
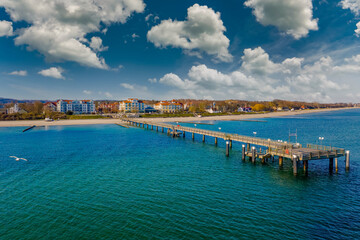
(87, 92)
(58, 29)
(19, 73)
(357, 30)
(259, 78)
(294, 17)
(96, 44)
(353, 5)
(202, 31)
(6, 28)
(257, 61)
(127, 86)
(54, 72)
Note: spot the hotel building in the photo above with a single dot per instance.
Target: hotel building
(132, 105)
(168, 107)
(76, 106)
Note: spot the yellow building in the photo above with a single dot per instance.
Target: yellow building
(132, 105)
(168, 107)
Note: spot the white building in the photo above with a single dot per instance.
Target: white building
(132, 105)
(76, 106)
(14, 109)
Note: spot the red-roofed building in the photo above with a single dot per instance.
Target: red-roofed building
(168, 107)
(132, 105)
(51, 106)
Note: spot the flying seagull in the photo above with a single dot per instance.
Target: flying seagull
(17, 159)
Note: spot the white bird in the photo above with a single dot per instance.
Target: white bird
(17, 159)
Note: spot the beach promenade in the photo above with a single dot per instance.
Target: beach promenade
(19, 123)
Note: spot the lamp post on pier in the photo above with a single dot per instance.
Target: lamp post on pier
(321, 139)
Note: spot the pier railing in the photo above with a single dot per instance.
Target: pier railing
(280, 146)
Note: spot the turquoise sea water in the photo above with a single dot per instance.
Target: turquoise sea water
(108, 182)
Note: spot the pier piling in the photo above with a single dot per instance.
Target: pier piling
(336, 164)
(203, 139)
(227, 148)
(248, 147)
(331, 165)
(306, 167)
(183, 134)
(295, 165)
(280, 161)
(347, 160)
(243, 153)
(193, 136)
(253, 155)
(230, 144)
(216, 141)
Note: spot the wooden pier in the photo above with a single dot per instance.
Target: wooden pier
(272, 149)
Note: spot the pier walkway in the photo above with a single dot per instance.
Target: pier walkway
(281, 150)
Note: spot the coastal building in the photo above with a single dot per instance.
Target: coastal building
(150, 109)
(212, 108)
(244, 109)
(132, 105)
(76, 106)
(50, 106)
(168, 107)
(14, 109)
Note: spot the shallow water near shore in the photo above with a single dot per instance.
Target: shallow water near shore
(109, 182)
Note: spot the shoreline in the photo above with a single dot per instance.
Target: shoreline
(26, 123)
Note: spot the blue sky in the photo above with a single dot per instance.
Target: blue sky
(115, 49)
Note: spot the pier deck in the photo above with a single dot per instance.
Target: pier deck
(282, 150)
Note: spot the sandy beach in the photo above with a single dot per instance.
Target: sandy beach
(20, 123)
